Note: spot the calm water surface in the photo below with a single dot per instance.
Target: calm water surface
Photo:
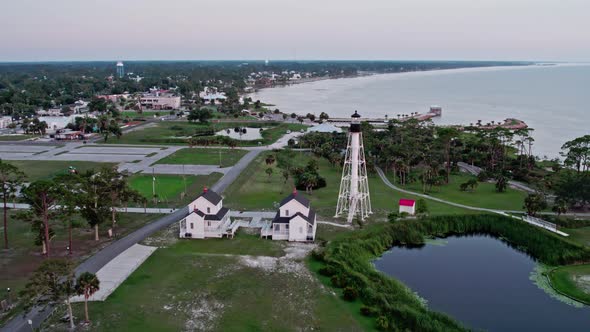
(483, 283)
(552, 99)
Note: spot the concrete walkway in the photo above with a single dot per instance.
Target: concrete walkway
(116, 271)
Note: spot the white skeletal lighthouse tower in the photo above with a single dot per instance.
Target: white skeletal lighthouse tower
(354, 195)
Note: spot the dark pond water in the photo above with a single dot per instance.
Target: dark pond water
(483, 283)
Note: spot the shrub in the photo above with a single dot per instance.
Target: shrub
(392, 216)
(382, 323)
(326, 271)
(338, 281)
(368, 311)
(421, 206)
(483, 176)
(350, 294)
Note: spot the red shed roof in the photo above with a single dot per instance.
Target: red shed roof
(406, 202)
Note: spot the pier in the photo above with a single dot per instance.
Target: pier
(433, 112)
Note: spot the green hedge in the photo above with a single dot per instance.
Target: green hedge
(348, 262)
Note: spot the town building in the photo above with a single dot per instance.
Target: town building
(207, 218)
(55, 123)
(158, 99)
(408, 206)
(5, 121)
(295, 220)
(324, 128)
(211, 95)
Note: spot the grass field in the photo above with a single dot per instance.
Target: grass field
(485, 195)
(210, 285)
(255, 190)
(572, 280)
(5, 138)
(36, 169)
(169, 188)
(199, 156)
(578, 235)
(176, 132)
(23, 257)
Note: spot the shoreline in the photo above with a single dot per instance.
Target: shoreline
(408, 73)
(535, 65)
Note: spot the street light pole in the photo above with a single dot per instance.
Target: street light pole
(9, 297)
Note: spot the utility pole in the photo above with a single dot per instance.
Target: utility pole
(184, 180)
(153, 185)
(219, 158)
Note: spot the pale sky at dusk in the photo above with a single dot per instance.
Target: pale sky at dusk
(551, 30)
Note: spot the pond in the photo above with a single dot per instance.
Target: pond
(246, 134)
(483, 283)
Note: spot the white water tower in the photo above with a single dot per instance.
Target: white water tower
(354, 196)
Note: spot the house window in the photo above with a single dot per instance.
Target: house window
(277, 227)
(287, 226)
(192, 226)
(208, 210)
(208, 223)
(287, 212)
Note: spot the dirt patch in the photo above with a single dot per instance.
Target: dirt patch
(291, 262)
(164, 238)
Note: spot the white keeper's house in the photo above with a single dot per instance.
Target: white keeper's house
(295, 220)
(207, 217)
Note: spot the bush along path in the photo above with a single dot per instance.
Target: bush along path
(346, 261)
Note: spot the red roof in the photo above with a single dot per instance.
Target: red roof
(406, 202)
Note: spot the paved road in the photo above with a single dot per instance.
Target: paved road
(468, 207)
(101, 258)
(476, 170)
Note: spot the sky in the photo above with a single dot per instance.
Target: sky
(61, 30)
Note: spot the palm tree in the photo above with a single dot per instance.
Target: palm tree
(87, 284)
(560, 207)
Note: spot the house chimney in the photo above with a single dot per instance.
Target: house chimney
(294, 191)
(204, 189)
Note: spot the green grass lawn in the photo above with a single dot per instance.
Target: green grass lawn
(20, 261)
(176, 132)
(255, 190)
(485, 195)
(36, 170)
(203, 285)
(5, 138)
(572, 280)
(136, 115)
(200, 156)
(169, 188)
(578, 235)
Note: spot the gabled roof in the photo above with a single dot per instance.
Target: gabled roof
(299, 198)
(406, 202)
(222, 212)
(211, 196)
(285, 220)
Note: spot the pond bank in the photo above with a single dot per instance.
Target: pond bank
(347, 261)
